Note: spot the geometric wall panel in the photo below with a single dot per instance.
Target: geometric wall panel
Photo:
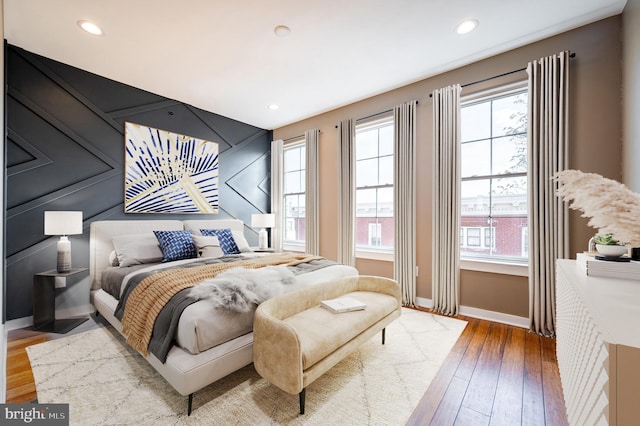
(65, 151)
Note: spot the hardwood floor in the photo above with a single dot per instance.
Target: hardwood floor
(495, 374)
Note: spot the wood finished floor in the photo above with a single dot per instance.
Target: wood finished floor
(495, 374)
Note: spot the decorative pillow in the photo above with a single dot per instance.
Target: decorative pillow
(225, 237)
(207, 246)
(113, 258)
(136, 249)
(241, 242)
(176, 245)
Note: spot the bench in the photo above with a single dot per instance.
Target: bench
(295, 340)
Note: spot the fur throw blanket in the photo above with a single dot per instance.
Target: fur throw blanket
(242, 290)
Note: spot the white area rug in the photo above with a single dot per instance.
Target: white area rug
(107, 383)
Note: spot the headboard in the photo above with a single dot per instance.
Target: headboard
(103, 231)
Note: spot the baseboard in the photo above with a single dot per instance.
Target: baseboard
(482, 314)
(75, 311)
(18, 323)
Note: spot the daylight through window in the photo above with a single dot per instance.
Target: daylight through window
(294, 195)
(374, 184)
(494, 178)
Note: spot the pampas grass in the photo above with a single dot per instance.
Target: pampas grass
(611, 206)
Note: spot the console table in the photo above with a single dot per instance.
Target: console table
(44, 301)
(598, 346)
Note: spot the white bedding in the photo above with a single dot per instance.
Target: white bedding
(185, 371)
(201, 327)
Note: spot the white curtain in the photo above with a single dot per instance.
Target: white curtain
(548, 215)
(346, 203)
(276, 192)
(404, 266)
(312, 236)
(446, 200)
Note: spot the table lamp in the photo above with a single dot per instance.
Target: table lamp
(63, 223)
(263, 221)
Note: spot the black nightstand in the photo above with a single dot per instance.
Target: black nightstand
(44, 301)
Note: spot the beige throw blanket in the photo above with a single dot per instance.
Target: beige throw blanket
(149, 297)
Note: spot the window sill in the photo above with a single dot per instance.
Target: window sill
(375, 255)
(495, 267)
(293, 247)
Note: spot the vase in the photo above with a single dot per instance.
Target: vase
(611, 250)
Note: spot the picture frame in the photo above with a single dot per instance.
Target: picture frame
(166, 172)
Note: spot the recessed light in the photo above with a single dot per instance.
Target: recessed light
(467, 26)
(90, 27)
(273, 107)
(282, 31)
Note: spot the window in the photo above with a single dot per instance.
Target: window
(494, 177)
(374, 184)
(375, 229)
(294, 195)
(471, 237)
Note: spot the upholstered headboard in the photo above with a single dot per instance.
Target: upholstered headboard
(102, 233)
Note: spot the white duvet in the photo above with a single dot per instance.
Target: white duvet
(201, 327)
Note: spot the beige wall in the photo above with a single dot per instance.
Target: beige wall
(595, 146)
(631, 94)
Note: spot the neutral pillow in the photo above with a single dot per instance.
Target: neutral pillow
(113, 258)
(241, 241)
(225, 237)
(207, 246)
(136, 249)
(176, 245)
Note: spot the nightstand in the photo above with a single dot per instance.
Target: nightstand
(263, 250)
(44, 301)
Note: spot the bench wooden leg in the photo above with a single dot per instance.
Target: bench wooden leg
(189, 404)
(302, 393)
(383, 330)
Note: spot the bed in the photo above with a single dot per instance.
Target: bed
(209, 345)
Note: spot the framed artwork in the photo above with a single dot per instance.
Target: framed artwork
(169, 173)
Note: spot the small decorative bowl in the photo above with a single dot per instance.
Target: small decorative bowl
(611, 250)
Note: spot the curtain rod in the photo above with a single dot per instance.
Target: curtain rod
(293, 137)
(571, 55)
(373, 115)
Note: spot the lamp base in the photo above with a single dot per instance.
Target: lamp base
(263, 239)
(63, 263)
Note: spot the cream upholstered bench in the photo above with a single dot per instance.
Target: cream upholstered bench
(295, 340)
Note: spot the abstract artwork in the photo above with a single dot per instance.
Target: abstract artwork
(169, 173)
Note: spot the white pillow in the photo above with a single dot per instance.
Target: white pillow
(113, 258)
(241, 241)
(207, 246)
(137, 249)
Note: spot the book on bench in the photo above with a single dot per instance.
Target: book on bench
(343, 304)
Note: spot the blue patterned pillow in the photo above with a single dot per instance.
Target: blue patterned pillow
(176, 245)
(225, 237)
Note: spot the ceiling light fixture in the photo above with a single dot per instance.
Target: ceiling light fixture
(282, 31)
(273, 107)
(467, 26)
(90, 27)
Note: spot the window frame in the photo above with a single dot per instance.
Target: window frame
(380, 120)
(292, 245)
(495, 264)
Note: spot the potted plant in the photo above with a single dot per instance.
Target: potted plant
(609, 246)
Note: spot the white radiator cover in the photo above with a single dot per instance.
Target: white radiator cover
(598, 346)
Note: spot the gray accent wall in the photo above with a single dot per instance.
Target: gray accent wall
(65, 151)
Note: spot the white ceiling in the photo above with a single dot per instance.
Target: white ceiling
(223, 55)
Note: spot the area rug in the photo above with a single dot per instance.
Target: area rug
(107, 383)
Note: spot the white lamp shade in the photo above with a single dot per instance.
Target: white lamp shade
(62, 223)
(263, 220)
